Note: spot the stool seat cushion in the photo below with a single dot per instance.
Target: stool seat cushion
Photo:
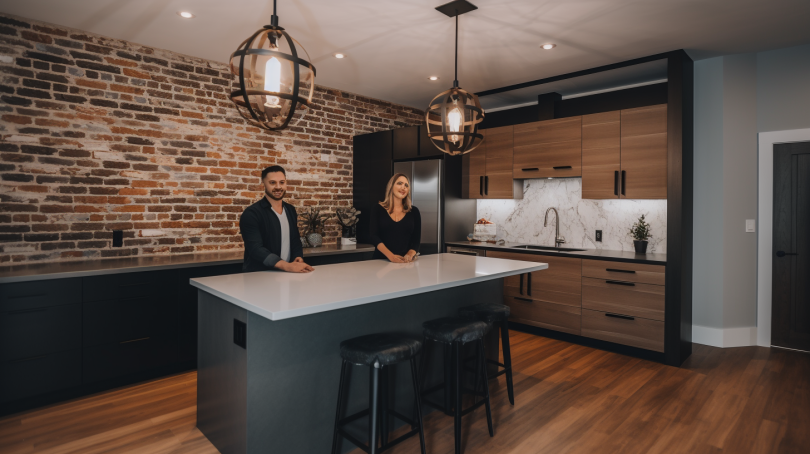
(452, 329)
(490, 312)
(381, 349)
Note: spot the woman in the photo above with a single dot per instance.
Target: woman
(395, 224)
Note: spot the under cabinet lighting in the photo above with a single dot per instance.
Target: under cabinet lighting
(185, 15)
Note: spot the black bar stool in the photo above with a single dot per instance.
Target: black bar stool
(378, 351)
(454, 333)
(497, 314)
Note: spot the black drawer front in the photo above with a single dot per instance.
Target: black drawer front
(128, 285)
(36, 294)
(116, 360)
(39, 375)
(125, 319)
(33, 332)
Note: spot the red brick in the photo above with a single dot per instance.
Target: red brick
(137, 74)
(17, 119)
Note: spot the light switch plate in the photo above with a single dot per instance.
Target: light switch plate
(599, 236)
(750, 225)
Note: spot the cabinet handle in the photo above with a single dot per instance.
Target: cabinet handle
(30, 358)
(133, 285)
(530, 169)
(26, 296)
(486, 185)
(481, 185)
(629, 284)
(783, 253)
(529, 284)
(523, 299)
(135, 340)
(624, 180)
(623, 317)
(620, 271)
(27, 311)
(616, 182)
(562, 167)
(521, 284)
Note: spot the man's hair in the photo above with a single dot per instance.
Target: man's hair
(273, 169)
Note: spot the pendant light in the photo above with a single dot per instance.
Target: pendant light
(273, 77)
(453, 116)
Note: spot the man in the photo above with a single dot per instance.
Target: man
(270, 229)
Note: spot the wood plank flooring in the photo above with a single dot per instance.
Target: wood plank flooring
(569, 399)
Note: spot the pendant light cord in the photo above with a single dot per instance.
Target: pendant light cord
(455, 81)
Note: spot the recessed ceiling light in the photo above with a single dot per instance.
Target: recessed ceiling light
(549, 46)
(185, 15)
(339, 55)
(433, 77)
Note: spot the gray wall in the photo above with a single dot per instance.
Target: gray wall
(736, 97)
(707, 283)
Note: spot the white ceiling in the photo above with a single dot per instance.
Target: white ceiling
(393, 46)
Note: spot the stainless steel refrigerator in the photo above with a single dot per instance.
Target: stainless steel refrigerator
(426, 194)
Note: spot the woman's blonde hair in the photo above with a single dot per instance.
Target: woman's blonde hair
(388, 203)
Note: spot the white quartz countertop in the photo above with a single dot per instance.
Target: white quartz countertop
(278, 296)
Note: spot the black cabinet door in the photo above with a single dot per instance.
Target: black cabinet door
(406, 143)
(26, 333)
(118, 359)
(128, 285)
(372, 165)
(37, 294)
(40, 374)
(129, 319)
(426, 147)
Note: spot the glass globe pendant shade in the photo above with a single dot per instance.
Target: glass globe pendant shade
(452, 120)
(272, 78)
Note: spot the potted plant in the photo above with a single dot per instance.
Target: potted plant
(641, 233)
(348, 220)
(313, 221)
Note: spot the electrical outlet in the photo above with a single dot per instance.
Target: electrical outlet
(750, 225)
(599, 236)
(118, 238)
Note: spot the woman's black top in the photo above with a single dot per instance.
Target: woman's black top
(399, 237)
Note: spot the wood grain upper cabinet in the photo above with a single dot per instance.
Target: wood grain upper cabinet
(488, 169)
(601, 155)
(644, 153)
(551, 148)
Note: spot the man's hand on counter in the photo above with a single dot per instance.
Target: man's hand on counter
(296, 266)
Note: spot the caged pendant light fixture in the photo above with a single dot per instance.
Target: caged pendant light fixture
(453, 116)
(273, 77)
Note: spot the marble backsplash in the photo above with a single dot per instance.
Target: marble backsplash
(522, 220)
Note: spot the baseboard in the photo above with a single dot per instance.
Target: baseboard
(724, 337)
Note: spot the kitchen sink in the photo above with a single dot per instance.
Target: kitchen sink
(546, 248)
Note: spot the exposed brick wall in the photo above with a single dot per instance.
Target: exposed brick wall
(98, 134)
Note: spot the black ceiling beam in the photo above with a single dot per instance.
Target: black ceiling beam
(584, 72)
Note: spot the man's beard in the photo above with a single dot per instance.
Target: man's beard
(270, 194)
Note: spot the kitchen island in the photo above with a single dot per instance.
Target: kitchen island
(268, 355)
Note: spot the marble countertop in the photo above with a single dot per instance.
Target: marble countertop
(595, 254)
(278, 296)
(61, 270)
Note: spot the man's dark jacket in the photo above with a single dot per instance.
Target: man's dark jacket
(261, 233)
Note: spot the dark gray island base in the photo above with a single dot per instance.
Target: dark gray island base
(278, 395)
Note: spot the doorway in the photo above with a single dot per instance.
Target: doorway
(790, 322)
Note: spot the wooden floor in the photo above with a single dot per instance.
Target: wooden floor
(569, 399)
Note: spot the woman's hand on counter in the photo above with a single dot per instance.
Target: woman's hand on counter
(397, 259)
(296, 266)
(410, 256)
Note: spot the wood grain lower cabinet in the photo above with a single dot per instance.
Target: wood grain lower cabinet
(626, 298)
(623, 271)
(557, 317)
(625, 330)
(548, 299)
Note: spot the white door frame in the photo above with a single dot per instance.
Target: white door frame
(765, 235)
